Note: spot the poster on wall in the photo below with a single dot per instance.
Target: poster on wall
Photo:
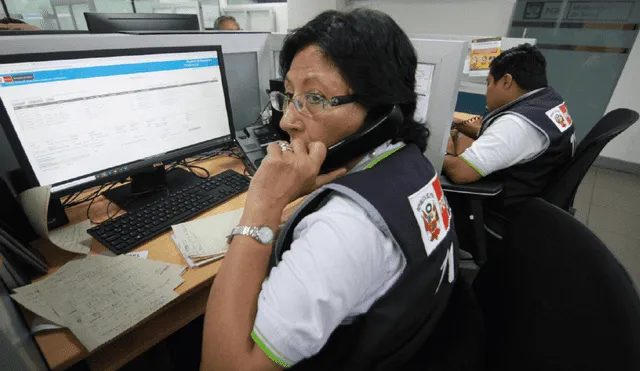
(483, 51)
(424, 75)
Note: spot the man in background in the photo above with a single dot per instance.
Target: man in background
(523, 141)
(226, 23)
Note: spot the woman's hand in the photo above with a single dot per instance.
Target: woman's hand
(287, 174)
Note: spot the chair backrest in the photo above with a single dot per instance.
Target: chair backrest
(563, 189)
(555, 298)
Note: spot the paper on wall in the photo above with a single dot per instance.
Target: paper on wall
(483, 51)
(466, 67)
(424, 75)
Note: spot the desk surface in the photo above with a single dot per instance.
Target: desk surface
(61, 349)
(462, 115)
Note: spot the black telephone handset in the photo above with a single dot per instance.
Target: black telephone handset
(380, 125)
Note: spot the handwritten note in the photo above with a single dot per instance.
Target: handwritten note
(74, 238)
(139, 254)
(207, 238)
(109, 313)
(99, 297)
(192, 262)
(30, 298)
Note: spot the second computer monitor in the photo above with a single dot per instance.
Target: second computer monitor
(119, 22)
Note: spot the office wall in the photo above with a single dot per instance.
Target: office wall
(302, 11)
(626, 147)
(458, 17)
(282, 17)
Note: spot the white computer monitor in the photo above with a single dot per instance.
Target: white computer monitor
(444, 60)
(76, 119)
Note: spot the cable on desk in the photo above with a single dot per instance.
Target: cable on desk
(191, 167)
(68, 203)
(260, 117)
(104, 187)
(70, 198)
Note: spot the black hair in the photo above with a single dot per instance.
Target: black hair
(374, 56)
(218, 22)
(525, 63)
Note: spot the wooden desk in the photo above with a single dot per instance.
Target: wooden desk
(462, 115)
(61, 349)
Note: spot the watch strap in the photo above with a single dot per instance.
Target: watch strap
(252, 232)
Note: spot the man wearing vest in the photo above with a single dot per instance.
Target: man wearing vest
(523, 141)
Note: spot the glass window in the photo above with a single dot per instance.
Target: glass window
(586, 45)
(56, 15)
(239, 2)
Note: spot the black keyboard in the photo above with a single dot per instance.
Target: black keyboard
(130, 230)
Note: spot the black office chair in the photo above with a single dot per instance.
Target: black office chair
(563, 189)
(555, 298)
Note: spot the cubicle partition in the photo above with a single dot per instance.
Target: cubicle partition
(472, 88)
(445, 57)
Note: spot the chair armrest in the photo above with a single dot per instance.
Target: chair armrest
(482, 187)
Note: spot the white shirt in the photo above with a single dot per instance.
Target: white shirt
(339, 264)
(508, 141)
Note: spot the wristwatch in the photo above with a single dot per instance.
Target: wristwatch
(262, 234)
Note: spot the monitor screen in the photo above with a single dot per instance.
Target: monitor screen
(117, 22)
(81, 121)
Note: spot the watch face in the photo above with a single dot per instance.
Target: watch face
(265, 234)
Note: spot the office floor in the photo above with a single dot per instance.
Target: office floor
(608, 202)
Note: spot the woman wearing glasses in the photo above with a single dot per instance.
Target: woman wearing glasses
(363, 270)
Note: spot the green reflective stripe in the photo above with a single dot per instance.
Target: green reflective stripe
(257, 337)
(472, 165)
(382, 157)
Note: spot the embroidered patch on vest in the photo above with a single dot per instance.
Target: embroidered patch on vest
(560, 117)
(432, 213)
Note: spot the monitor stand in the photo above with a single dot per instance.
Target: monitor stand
(149, 186)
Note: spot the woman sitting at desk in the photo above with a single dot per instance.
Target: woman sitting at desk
(365, 267)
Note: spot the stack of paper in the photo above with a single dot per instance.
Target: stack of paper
(204, 240)
(74, 238)
(100, 297)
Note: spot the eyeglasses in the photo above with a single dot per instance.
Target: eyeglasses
(307, 103)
